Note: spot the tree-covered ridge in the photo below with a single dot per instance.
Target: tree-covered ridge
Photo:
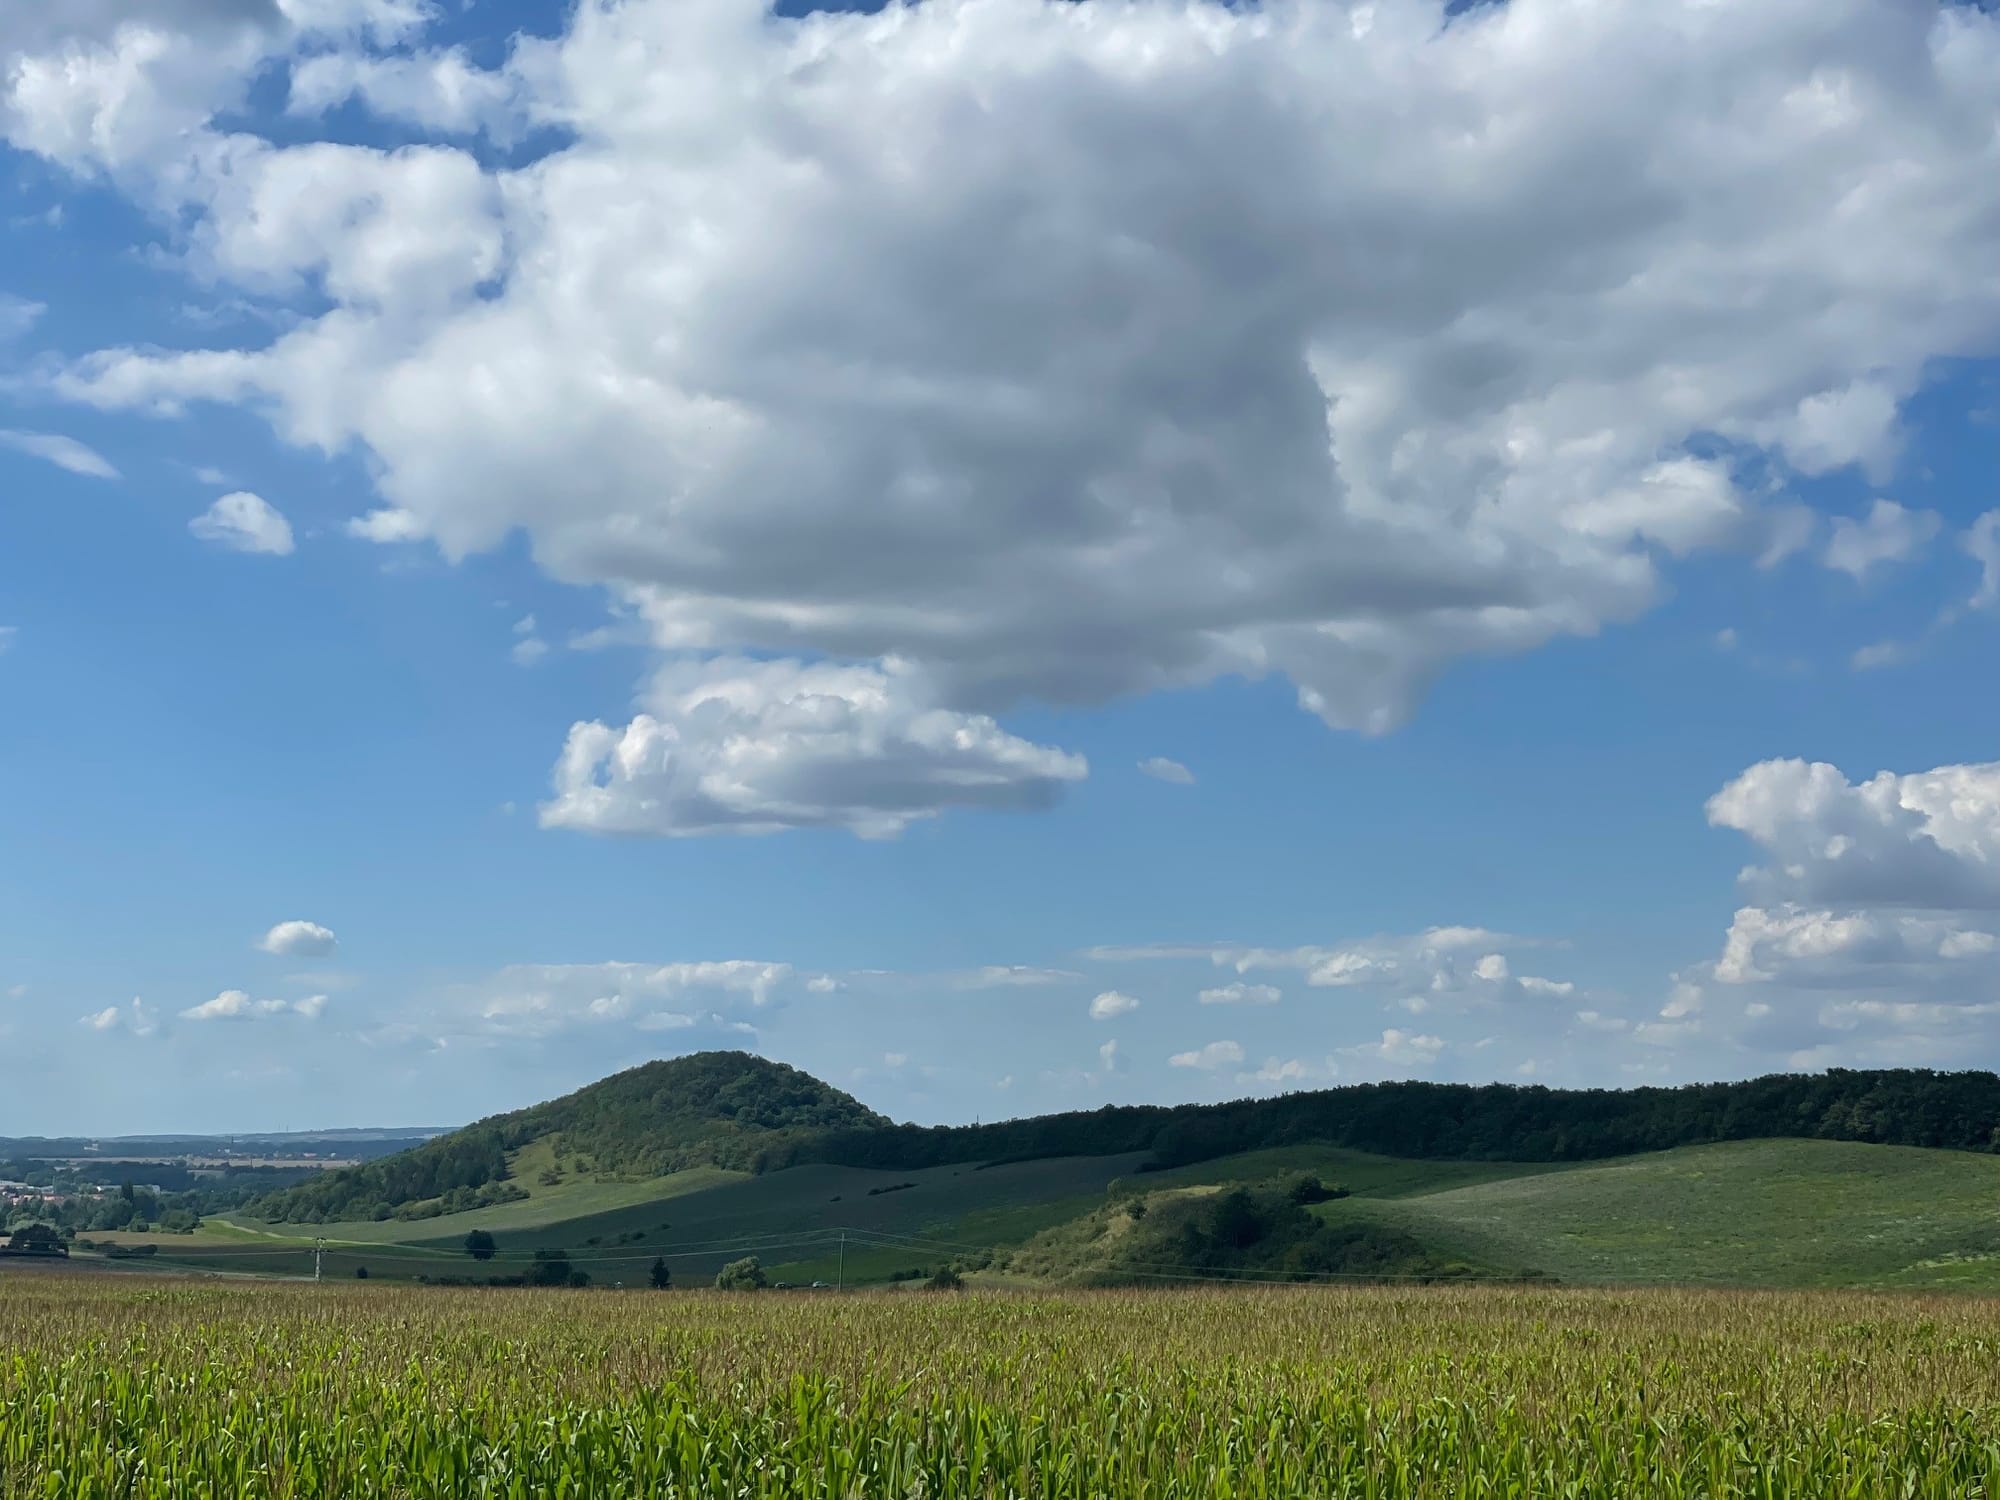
(731, 1109)
(1464, 1122)
(723, 1109)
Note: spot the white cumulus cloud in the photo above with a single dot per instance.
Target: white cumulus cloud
(1208, 1059)
(752, 747)
(1112, 1004)
(1161, 769)
(1888, 534)
(1925, 839)
(244, 522)
(236, 1005)
(911, 339)
(299, 939)
(1240, 993)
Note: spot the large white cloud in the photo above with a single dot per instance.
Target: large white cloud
(1926, 839)
(1876, 934)
(1069, 351)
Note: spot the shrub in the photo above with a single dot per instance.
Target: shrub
(745, 1275)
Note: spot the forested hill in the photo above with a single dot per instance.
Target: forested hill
(735, 1110)
(724, 1109)
(1464, 1122)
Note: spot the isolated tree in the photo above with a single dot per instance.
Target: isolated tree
(945, 1279)
(552, 1268)
(745, 1275)
(1306, 1188)
(37, 1239)
(480, 1245)
(662, 1278)
(360, 1273)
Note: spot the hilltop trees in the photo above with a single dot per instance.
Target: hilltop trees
(724, 1109)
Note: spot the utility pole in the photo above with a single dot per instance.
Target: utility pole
(840, 1276)
(319, 1245)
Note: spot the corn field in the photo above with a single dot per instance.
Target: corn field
(114, 1386)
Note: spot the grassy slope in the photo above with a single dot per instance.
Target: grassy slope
(1360, 1172)
(1806, 1213)
(1768, 1213)
(964, 1205)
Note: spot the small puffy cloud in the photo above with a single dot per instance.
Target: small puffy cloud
(1493, 967)
(386, 527)
(244, 522)
(7, 635)
(1726, 639)
(1888, 534)
(1112, 1004)
(737, 746)
(135, 1018)
(1208, 1059)
(299, 939)
(63, 452)
(1407, 1048)
(1240, 993)
(1108, 1060)
(236, 1005)
(1535, 984)
(1161, 769)
(824, 984)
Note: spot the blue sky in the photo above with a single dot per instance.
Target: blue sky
(663, 525)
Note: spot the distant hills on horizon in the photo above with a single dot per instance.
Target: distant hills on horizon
(741, 1112)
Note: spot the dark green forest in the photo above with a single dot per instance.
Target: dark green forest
(732, 1109)
(1465, 1122)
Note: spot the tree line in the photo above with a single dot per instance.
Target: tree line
(1462, 1122)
